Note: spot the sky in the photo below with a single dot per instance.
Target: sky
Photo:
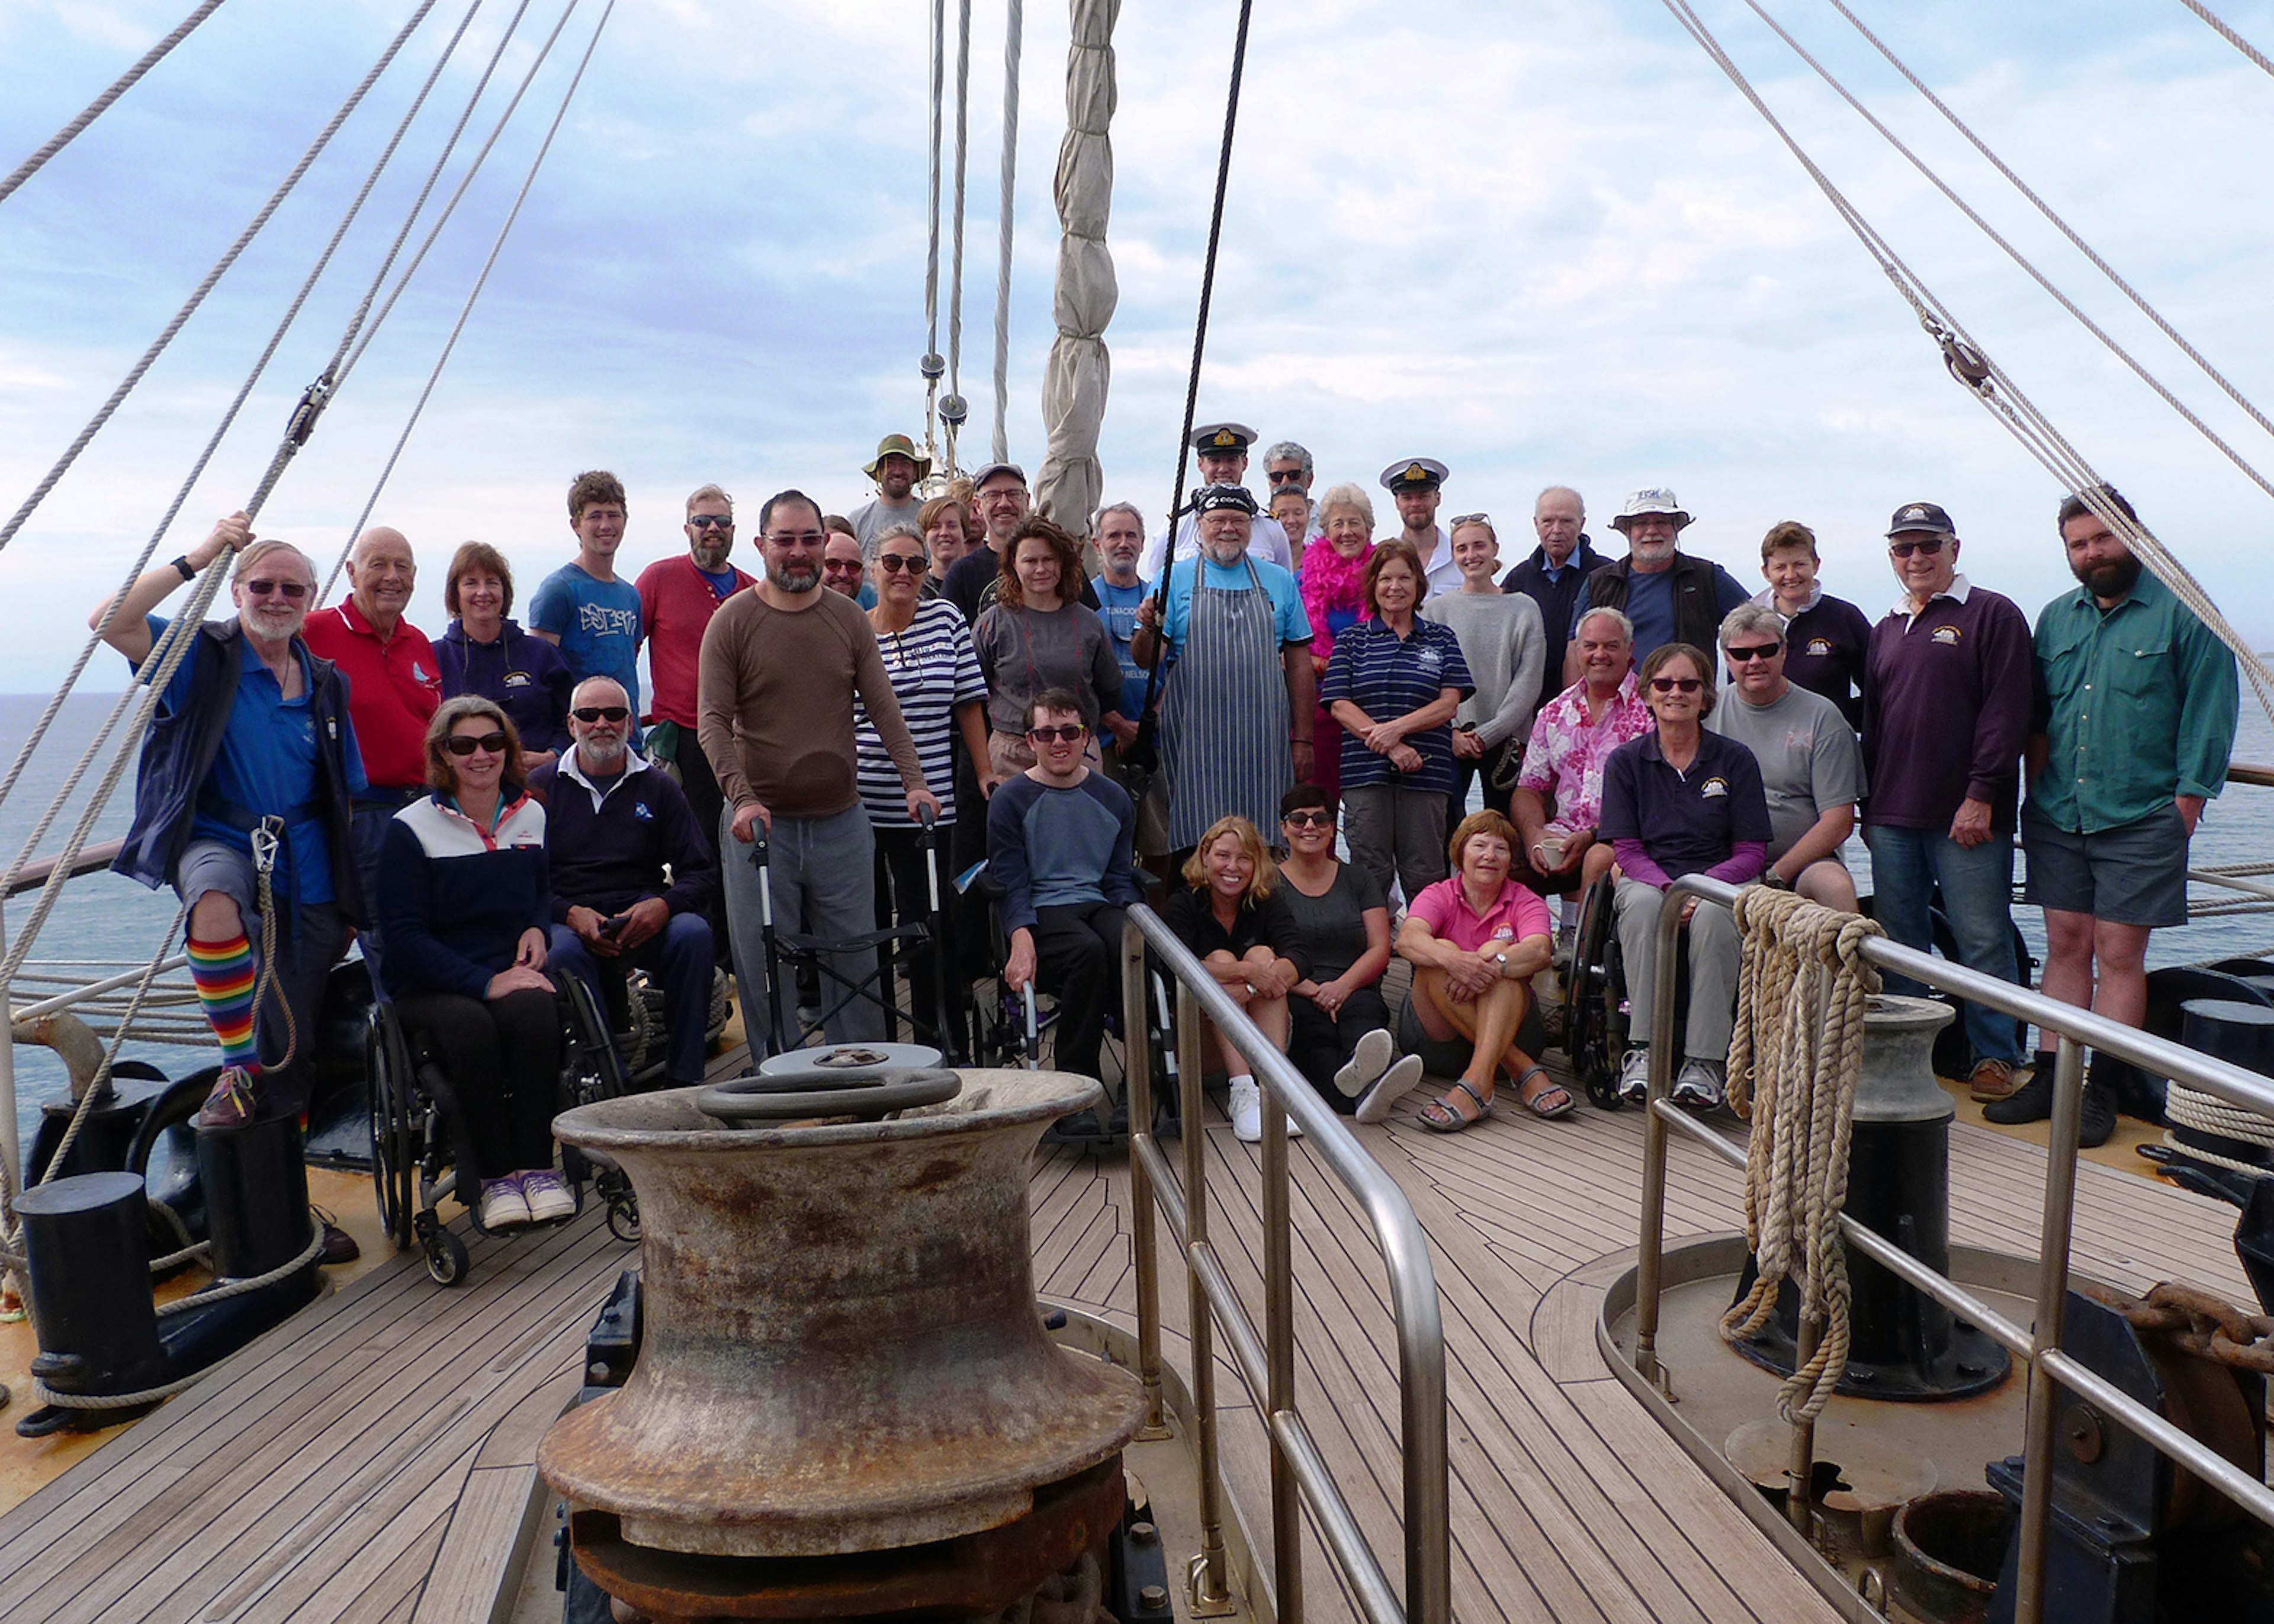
(1545, 243)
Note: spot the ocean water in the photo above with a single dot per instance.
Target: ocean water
(106, 916)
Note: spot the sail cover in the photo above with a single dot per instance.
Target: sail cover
(1074, 383)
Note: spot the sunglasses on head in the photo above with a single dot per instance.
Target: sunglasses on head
(1676, 685)
(293, 590)
(601, 713)
(1928, 545)
(710, 521)
(1319, 819)
(898, 563)
(466, 744)
(1468, 518)
(1752, 651)
(1067, 731)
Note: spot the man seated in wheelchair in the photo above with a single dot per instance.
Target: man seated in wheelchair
(1058, 845)
(1680, 800)
(465, 909)
(613, 824)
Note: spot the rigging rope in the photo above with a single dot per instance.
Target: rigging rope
(221, 268)
(497, 247)
(1014, 28)
(954, 409)
(1795, 1054)
(2229, 35)
(95, 108)
(931, 366)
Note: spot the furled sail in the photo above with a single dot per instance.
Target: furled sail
(1075, 382)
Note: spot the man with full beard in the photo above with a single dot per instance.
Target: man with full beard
(2134, 723)
(678, 596)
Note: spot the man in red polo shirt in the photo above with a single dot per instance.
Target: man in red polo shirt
(678, 596)
(395, 685)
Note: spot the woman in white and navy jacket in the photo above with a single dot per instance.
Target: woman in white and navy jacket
(465, 910)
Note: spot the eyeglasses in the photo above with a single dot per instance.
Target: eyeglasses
(1929, 546)
(1067, 731)
(1309, 819)
(466, 744)
(1673, 685)
(843, 567)
(1752, 651)
(601, 713)
(294, 590)
(898, 563)
(799, 538)
(709, 521)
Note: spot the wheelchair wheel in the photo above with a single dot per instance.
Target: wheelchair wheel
(446, 1258)
(1593, 1037)
(394, 1149)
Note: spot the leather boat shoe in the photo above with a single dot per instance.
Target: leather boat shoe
(339, 1247)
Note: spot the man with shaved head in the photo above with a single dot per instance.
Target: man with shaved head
(394, 683)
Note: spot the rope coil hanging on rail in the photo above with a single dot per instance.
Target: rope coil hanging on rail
(1795, 1056)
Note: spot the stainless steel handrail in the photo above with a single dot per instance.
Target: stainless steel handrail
(2039, 1346)
(1266, 1363)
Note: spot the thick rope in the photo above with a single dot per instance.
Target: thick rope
(2229, 35)
(1795, 1057)
(95, 108)
(1013, 33)
(2207, 1113)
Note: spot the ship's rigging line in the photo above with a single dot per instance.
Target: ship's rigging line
(434, 231)
(95, 108)
(954, 410)
(1988, 382)
(1014, 28)
(932, 366)
(2229, 35)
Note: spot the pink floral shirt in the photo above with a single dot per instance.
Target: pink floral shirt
(1564, 762)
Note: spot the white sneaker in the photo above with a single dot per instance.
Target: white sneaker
(1634, 1075)
(1369, 1059)
(503, 1207)
(1698, 1085)
(1395, 1085)
(1247, 1110)
(547, 1197)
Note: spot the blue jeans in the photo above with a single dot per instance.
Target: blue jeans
(821, 877)
(1978, 899)
(680, 956)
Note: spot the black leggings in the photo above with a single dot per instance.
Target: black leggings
(1318, 1043)
(906, 901)
(502, 1056)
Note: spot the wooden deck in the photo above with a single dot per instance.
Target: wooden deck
(371, 1460)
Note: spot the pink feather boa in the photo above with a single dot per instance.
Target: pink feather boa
(1330, 581)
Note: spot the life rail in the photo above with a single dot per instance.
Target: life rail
(1266, 1362)
(2039, 1346)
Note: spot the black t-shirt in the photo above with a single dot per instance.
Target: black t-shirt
(1329, 931)
(1188, 915)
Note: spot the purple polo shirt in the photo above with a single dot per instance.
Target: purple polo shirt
(1687, 821)
(1946, 709)
(1825, 648)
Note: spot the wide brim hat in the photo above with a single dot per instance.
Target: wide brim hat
(1652, 499)
(902, 445)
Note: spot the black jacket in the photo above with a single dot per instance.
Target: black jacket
(1697, 598)
(1555, 599)
(607, 857)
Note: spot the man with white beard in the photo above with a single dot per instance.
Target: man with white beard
(1669, 595)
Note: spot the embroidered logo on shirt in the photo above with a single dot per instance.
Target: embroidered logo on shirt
(1503, 933)
(1712, 787)
(516, 679)
(1947, 635)
(640, 811)
(1820, 646)
(1429, 659)
(417, 675)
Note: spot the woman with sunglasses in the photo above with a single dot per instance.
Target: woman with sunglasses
(1682, 801)
(1333, 586)
(1038, 634)
(1230, 913)
(934, 675)
(466, 910)
(1338, 1025)
(485, 654)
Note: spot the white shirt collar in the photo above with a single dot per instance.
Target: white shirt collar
(1956, 591)
(572, 766)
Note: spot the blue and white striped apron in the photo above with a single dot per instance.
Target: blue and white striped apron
(1224, 724)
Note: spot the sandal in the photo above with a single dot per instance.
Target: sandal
(1539, 1104)
(1443, 1115)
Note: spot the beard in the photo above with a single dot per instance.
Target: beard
(794, 577)
(604, 754)
(2115, 579)
(711, 556)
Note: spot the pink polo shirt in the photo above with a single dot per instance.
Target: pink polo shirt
(1516, 914)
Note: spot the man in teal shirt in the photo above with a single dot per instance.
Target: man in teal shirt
(2134, 723)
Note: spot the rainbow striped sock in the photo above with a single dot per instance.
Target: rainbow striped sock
(223, 975)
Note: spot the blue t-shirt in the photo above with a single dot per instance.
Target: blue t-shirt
(267, 764)
(722, 584)
(1116, 606)
(599, 625)
(1278, 585)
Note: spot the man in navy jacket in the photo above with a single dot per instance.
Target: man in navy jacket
(613, 825)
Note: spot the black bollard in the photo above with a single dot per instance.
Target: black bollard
(2241, 1035)
(256, 1195)
(88, 1258)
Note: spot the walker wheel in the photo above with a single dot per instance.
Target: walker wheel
(446, 1258)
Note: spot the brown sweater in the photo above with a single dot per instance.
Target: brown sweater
(774, 703)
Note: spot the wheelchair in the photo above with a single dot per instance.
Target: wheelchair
(419, 1137)
(1597, 1031)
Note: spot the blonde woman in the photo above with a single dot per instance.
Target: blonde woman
(1228, 913)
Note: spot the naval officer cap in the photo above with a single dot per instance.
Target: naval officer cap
(1209, 498)
(1223, 439)
(1927, 516)
(1414, 474)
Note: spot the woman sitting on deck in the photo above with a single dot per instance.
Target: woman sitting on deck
(1475, 941)
(465, 910)
(1229, 912)
(1338, 1025)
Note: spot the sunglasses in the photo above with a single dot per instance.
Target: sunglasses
(1931, 545)
(601, 713)
(1286, 476)
(1676, 685)
(709, 521)
(294, 590)
(1459, 519)
(1309, 819)
(466, 744)
(1068, 732)
(900, 563)
(1752, 651)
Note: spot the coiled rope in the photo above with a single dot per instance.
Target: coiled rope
(1795, 1056)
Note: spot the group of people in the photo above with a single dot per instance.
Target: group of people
(507, 806)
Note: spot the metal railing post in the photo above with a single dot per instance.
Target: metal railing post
(1279, 1361)
(2045, 1335)
(1650, 1263)
(1207, 1586)
(1137, 1087)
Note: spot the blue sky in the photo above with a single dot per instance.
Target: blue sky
(1542, 242)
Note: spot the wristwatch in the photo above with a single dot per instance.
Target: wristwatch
(1501, 958)
(188, 570)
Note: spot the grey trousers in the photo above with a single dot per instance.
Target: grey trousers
(1396, 834)
(822, 872)
(1713, 955)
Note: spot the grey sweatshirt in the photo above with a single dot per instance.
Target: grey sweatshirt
(1506, 648)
